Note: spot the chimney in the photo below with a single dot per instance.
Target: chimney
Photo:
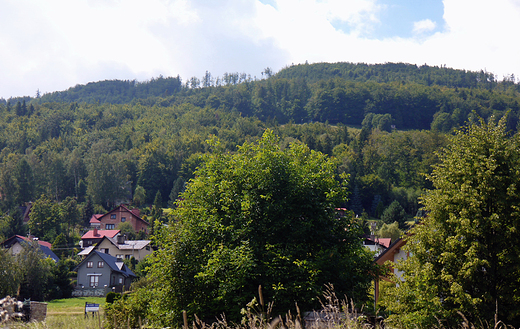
(121, 239)
(95, 231)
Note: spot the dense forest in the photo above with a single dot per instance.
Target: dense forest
(99, 142)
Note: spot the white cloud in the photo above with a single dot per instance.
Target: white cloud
(55, 44)
(426, 25)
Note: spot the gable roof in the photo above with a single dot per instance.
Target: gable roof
(95, 218)
(49, 253)
(45, 246)
(385, 242)
(388, 254)
(111, 262)
(128, 245)
(19, 238)
(98, 234)
(134, 212)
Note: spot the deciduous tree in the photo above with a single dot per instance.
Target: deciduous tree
(466, 252)
(260, 216)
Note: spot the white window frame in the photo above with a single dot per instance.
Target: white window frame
(93, 281)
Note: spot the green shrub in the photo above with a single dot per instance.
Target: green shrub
(111, 297)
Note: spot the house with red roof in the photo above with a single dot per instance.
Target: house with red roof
(16, 244)
(94, 221)
(94, 236)
(377, 245)
(121, 214)
(393, 253)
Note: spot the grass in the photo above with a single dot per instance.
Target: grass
(72, 305)
(67, 313)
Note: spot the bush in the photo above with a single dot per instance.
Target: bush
(112, 297)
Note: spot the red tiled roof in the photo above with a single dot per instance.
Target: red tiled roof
(95, 218)
(40, 242)
(100, 234)
(384, 241)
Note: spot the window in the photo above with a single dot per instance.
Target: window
(94, 281)
(100, 264)
(90, 264)
(147, 247)
(104, 250)
(123, 219)
(113, 216)
(120, 280)
(119, 257)
(110, 226)
(128, 256)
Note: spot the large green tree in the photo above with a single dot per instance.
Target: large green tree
(466, 254)
(260, 216)
(44, 219)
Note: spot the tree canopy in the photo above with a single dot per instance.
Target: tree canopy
(261, 216)
(465, 255)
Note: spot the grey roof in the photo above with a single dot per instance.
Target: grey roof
(48, 252)
(112, 262)
(22, 240)
(115, 264)
(86, 251)
(129, 244)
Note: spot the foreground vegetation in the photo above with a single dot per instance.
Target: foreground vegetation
(263, 213)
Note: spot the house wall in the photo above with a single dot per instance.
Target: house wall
(399, 256)
(377, 249)
(90, 242)
(105, 244)
(16, 248)
(121, 215)
(138, 254)
(83, 272)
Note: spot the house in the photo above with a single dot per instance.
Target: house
(121, 214)
(94, 236)
(94, 221)
(121, 248)
(377, 245)
(393, 253)
(102, 271)
(16, 244)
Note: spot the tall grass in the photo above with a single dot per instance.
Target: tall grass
(60, 322)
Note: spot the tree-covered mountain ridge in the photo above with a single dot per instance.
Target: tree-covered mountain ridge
(83, 143)
(414, 96)
(360, 72)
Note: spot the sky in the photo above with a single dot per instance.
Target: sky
(53, 45)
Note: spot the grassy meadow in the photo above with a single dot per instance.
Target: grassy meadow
(67, 314)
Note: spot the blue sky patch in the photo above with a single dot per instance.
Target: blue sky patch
(397, 19)
(272, 3)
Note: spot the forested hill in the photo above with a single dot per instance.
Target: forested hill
(411, 97)
(391, 72)
(103, 140)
